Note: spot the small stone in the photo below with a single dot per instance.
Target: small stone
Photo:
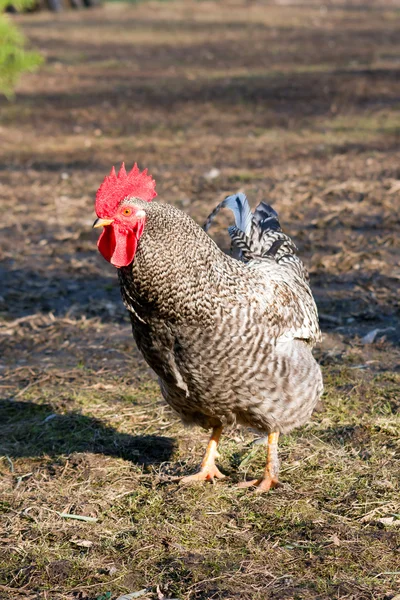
(212, 174)
(82, 543)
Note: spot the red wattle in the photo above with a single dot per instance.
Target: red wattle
(118, 245)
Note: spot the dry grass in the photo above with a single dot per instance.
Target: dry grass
(110, 451)
(296, 103)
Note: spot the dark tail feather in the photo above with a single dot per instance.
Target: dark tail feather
(267, 230)
(274, 249)
(267, 241)
(273, 242)
(266, 218)
(258, 236)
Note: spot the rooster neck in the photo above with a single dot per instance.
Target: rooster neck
(177, 271)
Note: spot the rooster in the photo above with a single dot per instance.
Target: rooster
(230, 338)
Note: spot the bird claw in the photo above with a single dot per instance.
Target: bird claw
(206, 474)
(263, 484)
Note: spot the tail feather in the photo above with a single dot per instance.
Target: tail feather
(259, 236)
(265, 217)
(242, 243)
(239, 206)
(274, 248)
(248, 249)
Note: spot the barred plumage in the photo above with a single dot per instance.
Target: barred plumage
(229, 339)
(262, 236)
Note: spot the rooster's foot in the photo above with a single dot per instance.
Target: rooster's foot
(209, 473)
(208, 469)
(264, 484)
(269, 480)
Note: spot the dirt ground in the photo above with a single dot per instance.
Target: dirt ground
(293, 102)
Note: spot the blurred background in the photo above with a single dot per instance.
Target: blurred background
(295, 102)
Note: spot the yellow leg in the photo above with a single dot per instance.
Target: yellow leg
(208, 469)
(270, 476)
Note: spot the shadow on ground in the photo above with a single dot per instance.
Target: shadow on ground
(76, 294)
(32, 429)
(282, 99)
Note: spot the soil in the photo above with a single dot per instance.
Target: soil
(295, 103)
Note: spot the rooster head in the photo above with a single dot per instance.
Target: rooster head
(123, 222)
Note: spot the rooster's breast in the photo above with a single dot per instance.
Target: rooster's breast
(225, 374)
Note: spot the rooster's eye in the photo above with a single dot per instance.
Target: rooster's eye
(127, 211)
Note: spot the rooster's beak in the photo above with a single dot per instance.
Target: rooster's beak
(102, 222)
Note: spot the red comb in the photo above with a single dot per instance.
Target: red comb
(117, 187)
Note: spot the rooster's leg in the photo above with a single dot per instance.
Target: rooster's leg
(270, 477)
(208, 469)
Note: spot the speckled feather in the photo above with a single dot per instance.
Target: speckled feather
(230, 340)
